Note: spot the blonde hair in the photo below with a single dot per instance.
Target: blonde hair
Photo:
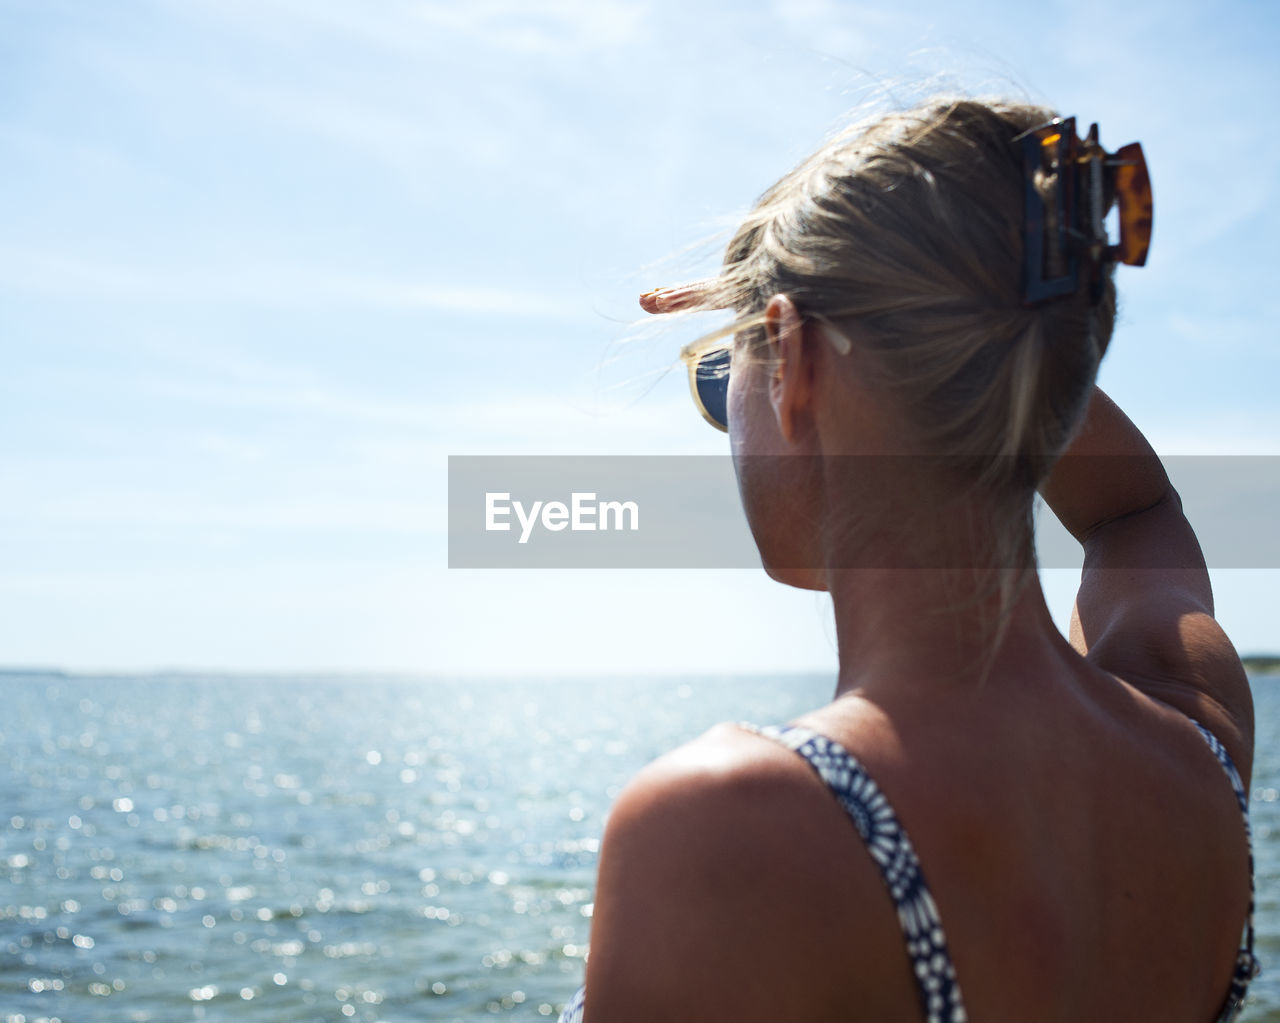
(908, 231)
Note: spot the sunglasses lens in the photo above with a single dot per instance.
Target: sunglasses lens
(711, 382)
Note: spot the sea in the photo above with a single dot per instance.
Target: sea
(376, 849)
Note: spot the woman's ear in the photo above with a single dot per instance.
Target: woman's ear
(791, 379)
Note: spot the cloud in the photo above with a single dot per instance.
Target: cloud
(834, 28)
(402, 140)
(551, 27)
(62, 151)
(107, 512)
(1218, 333)
(285, 286)
(420, 431)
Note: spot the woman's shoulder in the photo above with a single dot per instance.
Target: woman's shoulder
(704, 846)
(734, 786)
(1187, 667)
(729, 788)
(725, 761)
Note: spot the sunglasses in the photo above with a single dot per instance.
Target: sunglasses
(708, 363)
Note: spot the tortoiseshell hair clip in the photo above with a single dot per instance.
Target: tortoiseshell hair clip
(1070, 184)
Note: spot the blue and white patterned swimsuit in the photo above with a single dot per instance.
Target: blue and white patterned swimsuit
(887, 842)
(1247, 965)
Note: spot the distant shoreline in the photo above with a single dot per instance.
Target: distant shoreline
(1254, 664)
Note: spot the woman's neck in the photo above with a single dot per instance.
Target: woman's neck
(929, 629)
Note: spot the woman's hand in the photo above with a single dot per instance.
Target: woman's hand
(677, 299)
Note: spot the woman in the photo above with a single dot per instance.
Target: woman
(1043, 829)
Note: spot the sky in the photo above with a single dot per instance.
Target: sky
(267, 264)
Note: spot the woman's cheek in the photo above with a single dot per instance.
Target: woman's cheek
(752, 427)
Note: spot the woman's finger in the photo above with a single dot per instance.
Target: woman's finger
(682, 296)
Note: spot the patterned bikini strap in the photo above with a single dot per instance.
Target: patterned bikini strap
(1247, 964)
(887, 842)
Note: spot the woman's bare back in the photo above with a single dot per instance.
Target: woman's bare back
(1082, 843)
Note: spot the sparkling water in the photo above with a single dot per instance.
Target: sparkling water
(370, 849)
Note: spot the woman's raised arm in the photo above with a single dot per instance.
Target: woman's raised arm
(1144, 611)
